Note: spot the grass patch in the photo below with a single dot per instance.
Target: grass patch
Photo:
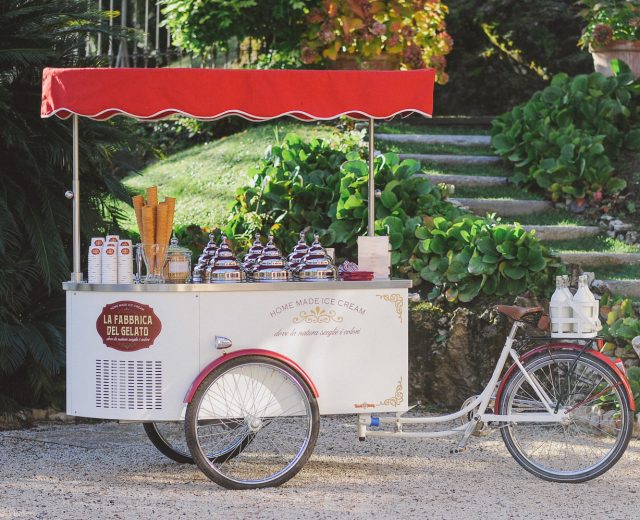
(406, 128)
(598, 243)
(619, 272)
(488, 170)
(554, 217)
(204, 178)
(508, 191)
(439, 149)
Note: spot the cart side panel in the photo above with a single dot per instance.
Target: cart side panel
(352, 343)
(112, 377)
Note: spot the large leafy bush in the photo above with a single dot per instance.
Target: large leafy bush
(322, 187)
(472, 254)
(567, 137)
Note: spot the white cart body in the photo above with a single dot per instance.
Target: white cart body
(350, 338)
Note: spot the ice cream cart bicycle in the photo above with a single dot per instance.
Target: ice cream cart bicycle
(250, 367)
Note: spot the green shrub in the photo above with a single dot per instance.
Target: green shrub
(473, 255)
(621, 326)
(622, 321)
(567, 137)
(405, 198)
(322, 187)
(294, 187)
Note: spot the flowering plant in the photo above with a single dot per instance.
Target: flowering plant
(609, 21)
(413, 31)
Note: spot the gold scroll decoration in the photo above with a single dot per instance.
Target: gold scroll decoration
(317, 315)
(396, 399)
(397, 300)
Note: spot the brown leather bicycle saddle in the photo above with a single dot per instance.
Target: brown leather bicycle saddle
(532, 315)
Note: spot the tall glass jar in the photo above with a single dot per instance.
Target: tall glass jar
(178, 266)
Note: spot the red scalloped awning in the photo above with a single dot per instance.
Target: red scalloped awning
(258, 95)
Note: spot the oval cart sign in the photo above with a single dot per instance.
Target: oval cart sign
(128, 326)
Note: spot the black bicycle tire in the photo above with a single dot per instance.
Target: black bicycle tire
(163, 447)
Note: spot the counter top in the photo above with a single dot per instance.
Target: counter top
(241, 286)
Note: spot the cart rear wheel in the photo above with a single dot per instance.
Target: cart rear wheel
(256, 418)
(169, 438)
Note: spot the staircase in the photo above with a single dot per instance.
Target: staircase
(460, 154)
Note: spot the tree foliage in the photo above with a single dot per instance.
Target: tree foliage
(507, 47)
(35, 166)
(199, 25)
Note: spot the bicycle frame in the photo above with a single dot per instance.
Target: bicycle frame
(481, 402)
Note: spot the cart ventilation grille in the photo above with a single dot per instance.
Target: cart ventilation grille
(129, 385)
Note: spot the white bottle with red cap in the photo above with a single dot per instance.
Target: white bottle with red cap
(586, 309)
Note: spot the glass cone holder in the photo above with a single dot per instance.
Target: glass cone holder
(155, 258)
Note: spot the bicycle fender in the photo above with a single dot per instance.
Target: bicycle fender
(248, 352)
(568, 346)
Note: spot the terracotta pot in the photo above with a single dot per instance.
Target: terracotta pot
(351, 62)
(627, 51)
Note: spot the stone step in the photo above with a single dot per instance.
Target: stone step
(625, 288)
(429, 139)
(593, 259)
(551, 233)
(467, 181)
(450, 120)
(504, 207)
(464, 160)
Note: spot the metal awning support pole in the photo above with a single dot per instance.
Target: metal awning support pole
(372, 187)
(76, 275)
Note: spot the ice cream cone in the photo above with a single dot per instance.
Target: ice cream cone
(138, 203)
(152, 196)
(161, 225)
(171, 205)
(149, 230)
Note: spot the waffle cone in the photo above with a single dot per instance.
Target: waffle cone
(152, 196)
(148, 236)
(171, 205)
(162, 224)
(138, 202)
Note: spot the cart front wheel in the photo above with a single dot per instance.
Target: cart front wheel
(253, 422)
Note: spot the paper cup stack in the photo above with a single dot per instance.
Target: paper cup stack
(95, 260)
(125, 261)
(110, 263)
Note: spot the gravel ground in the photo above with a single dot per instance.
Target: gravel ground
(112, 471)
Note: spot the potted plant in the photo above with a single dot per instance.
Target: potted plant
(384, 34)
(612, 32)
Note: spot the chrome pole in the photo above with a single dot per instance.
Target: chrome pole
(372, 187)
(76, 275)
